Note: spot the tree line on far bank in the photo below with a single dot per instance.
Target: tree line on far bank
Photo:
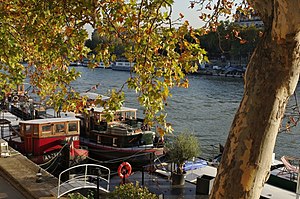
(229, 42)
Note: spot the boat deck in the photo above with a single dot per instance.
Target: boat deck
(269, 191)
(160, 183)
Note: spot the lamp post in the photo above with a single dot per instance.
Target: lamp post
(298, 181)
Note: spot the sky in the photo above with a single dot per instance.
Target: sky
(181, 6)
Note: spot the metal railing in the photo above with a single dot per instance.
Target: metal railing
(84, 176)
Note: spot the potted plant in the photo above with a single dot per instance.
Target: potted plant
(184, 147)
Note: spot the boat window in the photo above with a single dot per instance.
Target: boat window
(102, 119)
(22, 129)
(46, 129)
(73, 127)
(60, 128)
(128, 115)
(115, 141)
(118, 117)
(97, 118)
(28, 129)
(35, 130)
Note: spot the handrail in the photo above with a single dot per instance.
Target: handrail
(288, 165)
(84, 177)
(11, 133)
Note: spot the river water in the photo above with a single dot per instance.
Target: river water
(206, 108)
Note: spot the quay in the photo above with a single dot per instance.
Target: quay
(21, 173)
(8, 191)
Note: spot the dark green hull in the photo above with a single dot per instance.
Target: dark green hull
(278, 181)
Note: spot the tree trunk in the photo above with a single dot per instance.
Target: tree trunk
(271, 78)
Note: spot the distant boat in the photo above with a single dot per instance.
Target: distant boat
(230, 71)
(122, 65)
(78, 63)
(102, 65)
(93, 96)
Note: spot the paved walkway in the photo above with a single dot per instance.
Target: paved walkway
(21, 173)
(9, 191)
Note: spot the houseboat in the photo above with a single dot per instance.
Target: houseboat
(123, 138)
(102, 65)
(230, 71)
(122, 66)
(42, 139)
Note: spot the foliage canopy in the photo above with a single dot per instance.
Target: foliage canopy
(49, 35)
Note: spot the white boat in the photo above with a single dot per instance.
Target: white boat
(93, 96)
(102, 65)
(76, 63)
(122, 65)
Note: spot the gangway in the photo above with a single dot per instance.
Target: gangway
(82, 177)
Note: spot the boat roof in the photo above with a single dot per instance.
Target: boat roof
(123, 109)
(50, 120)
(93, 96)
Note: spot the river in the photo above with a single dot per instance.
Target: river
(206, 108)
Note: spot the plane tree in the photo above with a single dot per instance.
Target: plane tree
(271, 78)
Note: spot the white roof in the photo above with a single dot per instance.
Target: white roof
(50, 120)
(123, 109)
(93, 96)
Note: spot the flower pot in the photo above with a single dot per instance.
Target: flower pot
(178, 179)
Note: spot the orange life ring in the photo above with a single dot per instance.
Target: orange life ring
(15, 98)
(124, 167)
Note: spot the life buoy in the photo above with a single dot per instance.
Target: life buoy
(124, 170)
(292, 119)
(15, 98)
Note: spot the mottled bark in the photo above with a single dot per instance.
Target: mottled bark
(270, 80)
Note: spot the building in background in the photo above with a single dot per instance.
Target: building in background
(249, 19)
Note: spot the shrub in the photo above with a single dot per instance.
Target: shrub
(132, 191)
(80, 196)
